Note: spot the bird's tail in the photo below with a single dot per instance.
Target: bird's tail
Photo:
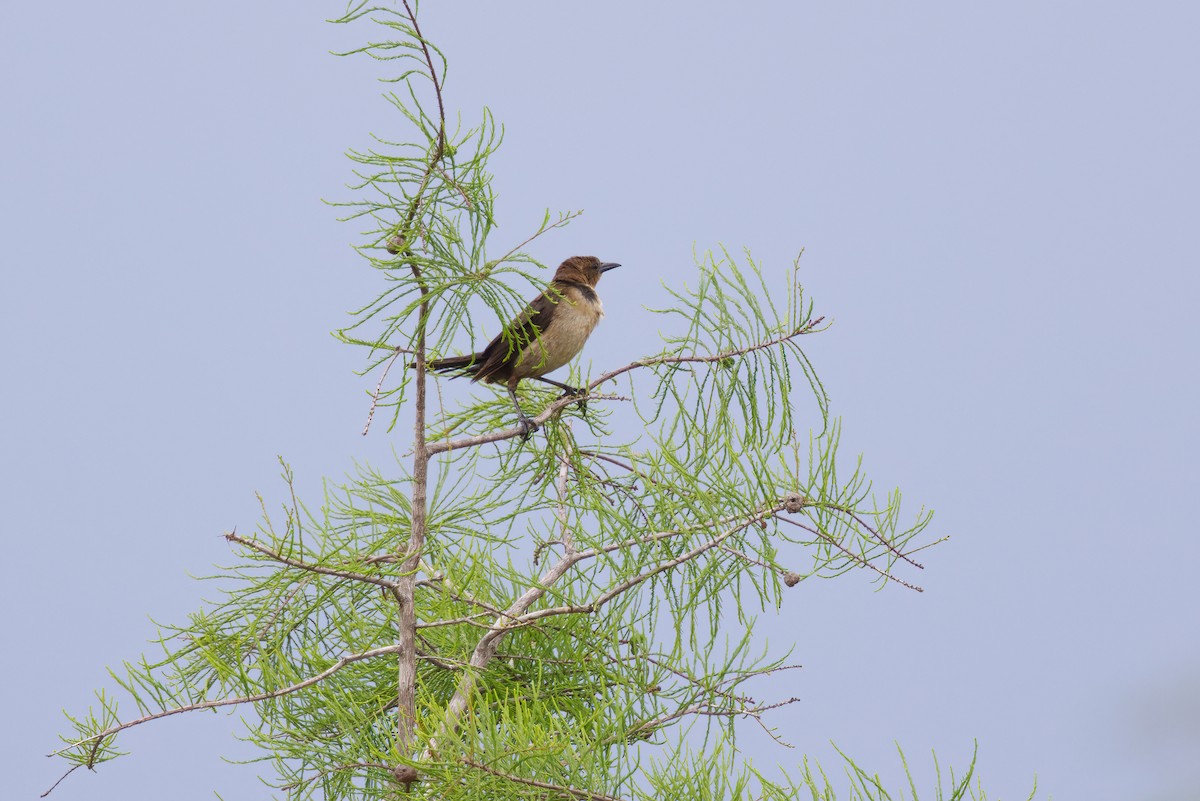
(461, 365)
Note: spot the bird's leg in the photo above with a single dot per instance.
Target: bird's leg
(568, 390)
(527, 425)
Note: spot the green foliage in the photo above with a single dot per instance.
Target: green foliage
(572, 593)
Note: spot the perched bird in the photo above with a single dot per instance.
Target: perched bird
(545, 336)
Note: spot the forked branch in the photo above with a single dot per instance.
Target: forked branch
(518, 615)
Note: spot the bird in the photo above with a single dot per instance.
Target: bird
(550, 332)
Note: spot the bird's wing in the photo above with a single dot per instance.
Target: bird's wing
(501, 354)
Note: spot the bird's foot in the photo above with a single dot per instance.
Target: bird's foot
(577, 392)
(527, 427)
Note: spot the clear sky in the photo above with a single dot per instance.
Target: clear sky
(998, 206)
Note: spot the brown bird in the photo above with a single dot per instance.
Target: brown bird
(545, 336)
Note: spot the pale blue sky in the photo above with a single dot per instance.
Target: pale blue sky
(998, 208)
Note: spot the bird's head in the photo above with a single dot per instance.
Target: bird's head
(583, 269)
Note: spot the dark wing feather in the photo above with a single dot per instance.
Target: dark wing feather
(497, 359)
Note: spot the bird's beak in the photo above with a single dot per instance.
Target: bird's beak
(606, 267)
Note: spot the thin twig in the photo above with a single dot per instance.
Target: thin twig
(453, 183)
(716, 357)
(662, 535)
(848, 511)
(379, 387)
(264, 628)
(705, 710)
(335, 769)
(299, 565)
(508, 433)
(862, 562)
(245, 699)
(469, 620)
(630, 583)
(562, 220)
(496, 436)
(463, 598)
(569, 792)
(745, 557)
(437, 85)
(678, 672)
(60, 779)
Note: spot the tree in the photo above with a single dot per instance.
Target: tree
(547, 617)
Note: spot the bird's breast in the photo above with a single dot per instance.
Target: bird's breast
(574, 319)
